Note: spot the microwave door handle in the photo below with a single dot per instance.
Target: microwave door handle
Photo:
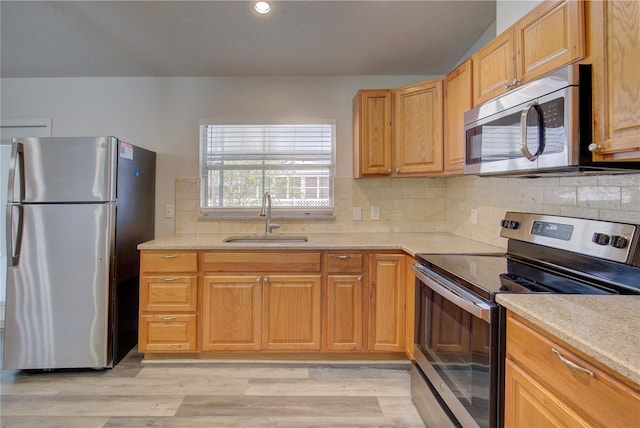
(523, 129)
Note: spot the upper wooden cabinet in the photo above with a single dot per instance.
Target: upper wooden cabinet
(615, 52)
(457, 100)
(493, 68)
(372, 133)
(416, 118)
(418, 129)
(548, 37)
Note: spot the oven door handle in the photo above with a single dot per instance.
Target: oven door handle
(476, 307)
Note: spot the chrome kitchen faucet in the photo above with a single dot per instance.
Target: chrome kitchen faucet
(266, 211)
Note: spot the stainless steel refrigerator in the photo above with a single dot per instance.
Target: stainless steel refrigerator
(76, 210)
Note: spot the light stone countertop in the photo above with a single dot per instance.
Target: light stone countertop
(606, 328)
(411, 243)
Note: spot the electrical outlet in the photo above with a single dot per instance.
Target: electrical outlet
(375, 213)
(169, 211)
(474, 216)
(357, 213)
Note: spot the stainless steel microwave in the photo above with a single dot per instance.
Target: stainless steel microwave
(543, 127)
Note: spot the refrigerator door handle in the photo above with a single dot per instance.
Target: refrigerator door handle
(13, 252)
(17, 162)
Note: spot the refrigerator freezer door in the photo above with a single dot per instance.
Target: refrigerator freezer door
(63, 170)
(57, 311)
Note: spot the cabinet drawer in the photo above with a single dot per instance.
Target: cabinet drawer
(268, 261)
(169, 261)
(167, 332)
(168, 293)
(344, 263)
(600, 397)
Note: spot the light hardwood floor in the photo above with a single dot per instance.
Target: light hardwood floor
(210, 394)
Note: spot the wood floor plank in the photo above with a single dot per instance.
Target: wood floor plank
(278, 406)
(92, 405)
(233, 371)
(52, 422)
(330, 387)
(262, 422)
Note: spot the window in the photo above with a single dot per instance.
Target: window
(295, 163)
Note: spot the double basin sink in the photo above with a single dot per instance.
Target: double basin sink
(263, 239)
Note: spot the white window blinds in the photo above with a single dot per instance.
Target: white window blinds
(295, 163)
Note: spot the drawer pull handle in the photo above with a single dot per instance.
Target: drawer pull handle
(169, 256)
(572, 364)
(343, 257)
(166, 318)
(166, 278)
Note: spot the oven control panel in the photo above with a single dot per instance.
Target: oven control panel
(608, 240)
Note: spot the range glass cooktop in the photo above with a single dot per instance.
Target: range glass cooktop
(492, 273)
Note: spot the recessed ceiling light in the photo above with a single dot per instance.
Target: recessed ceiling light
(262, 7)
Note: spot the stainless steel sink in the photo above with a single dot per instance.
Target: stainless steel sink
(261, 239)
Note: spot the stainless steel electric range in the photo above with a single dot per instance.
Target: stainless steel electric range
(459, 328)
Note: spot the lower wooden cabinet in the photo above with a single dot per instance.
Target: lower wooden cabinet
(291, 317)
(386, 302)
(345, 313)
(547, 383)
(232, 313)
(200, 302)
(167, 332)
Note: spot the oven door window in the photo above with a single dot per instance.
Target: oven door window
(500, 139)
(458, 346)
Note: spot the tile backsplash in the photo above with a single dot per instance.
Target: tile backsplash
(450, 204)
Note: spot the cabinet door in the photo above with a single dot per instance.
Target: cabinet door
(387, 302)
(527, 403)
(615, 47)
(550, 36)
(291, 312)
(232, 313)
(457, 100)
(372, 133)
(419, 125)
(344, 313)
(493, 68)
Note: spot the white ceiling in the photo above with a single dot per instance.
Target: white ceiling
(227, 38)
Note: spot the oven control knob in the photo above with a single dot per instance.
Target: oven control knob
(504, 223)
(601, 238)
(514, 225)
(619, 241)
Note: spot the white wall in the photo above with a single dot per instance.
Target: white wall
(509, 11)
(162, 114)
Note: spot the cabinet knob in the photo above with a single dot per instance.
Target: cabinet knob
(397, 170)
(168, 318)
(593, 147)
(389, 170)
(166, 278)
(346, 256)
(258, 279)
(168, 256)
(266, 279)
(359, 279)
